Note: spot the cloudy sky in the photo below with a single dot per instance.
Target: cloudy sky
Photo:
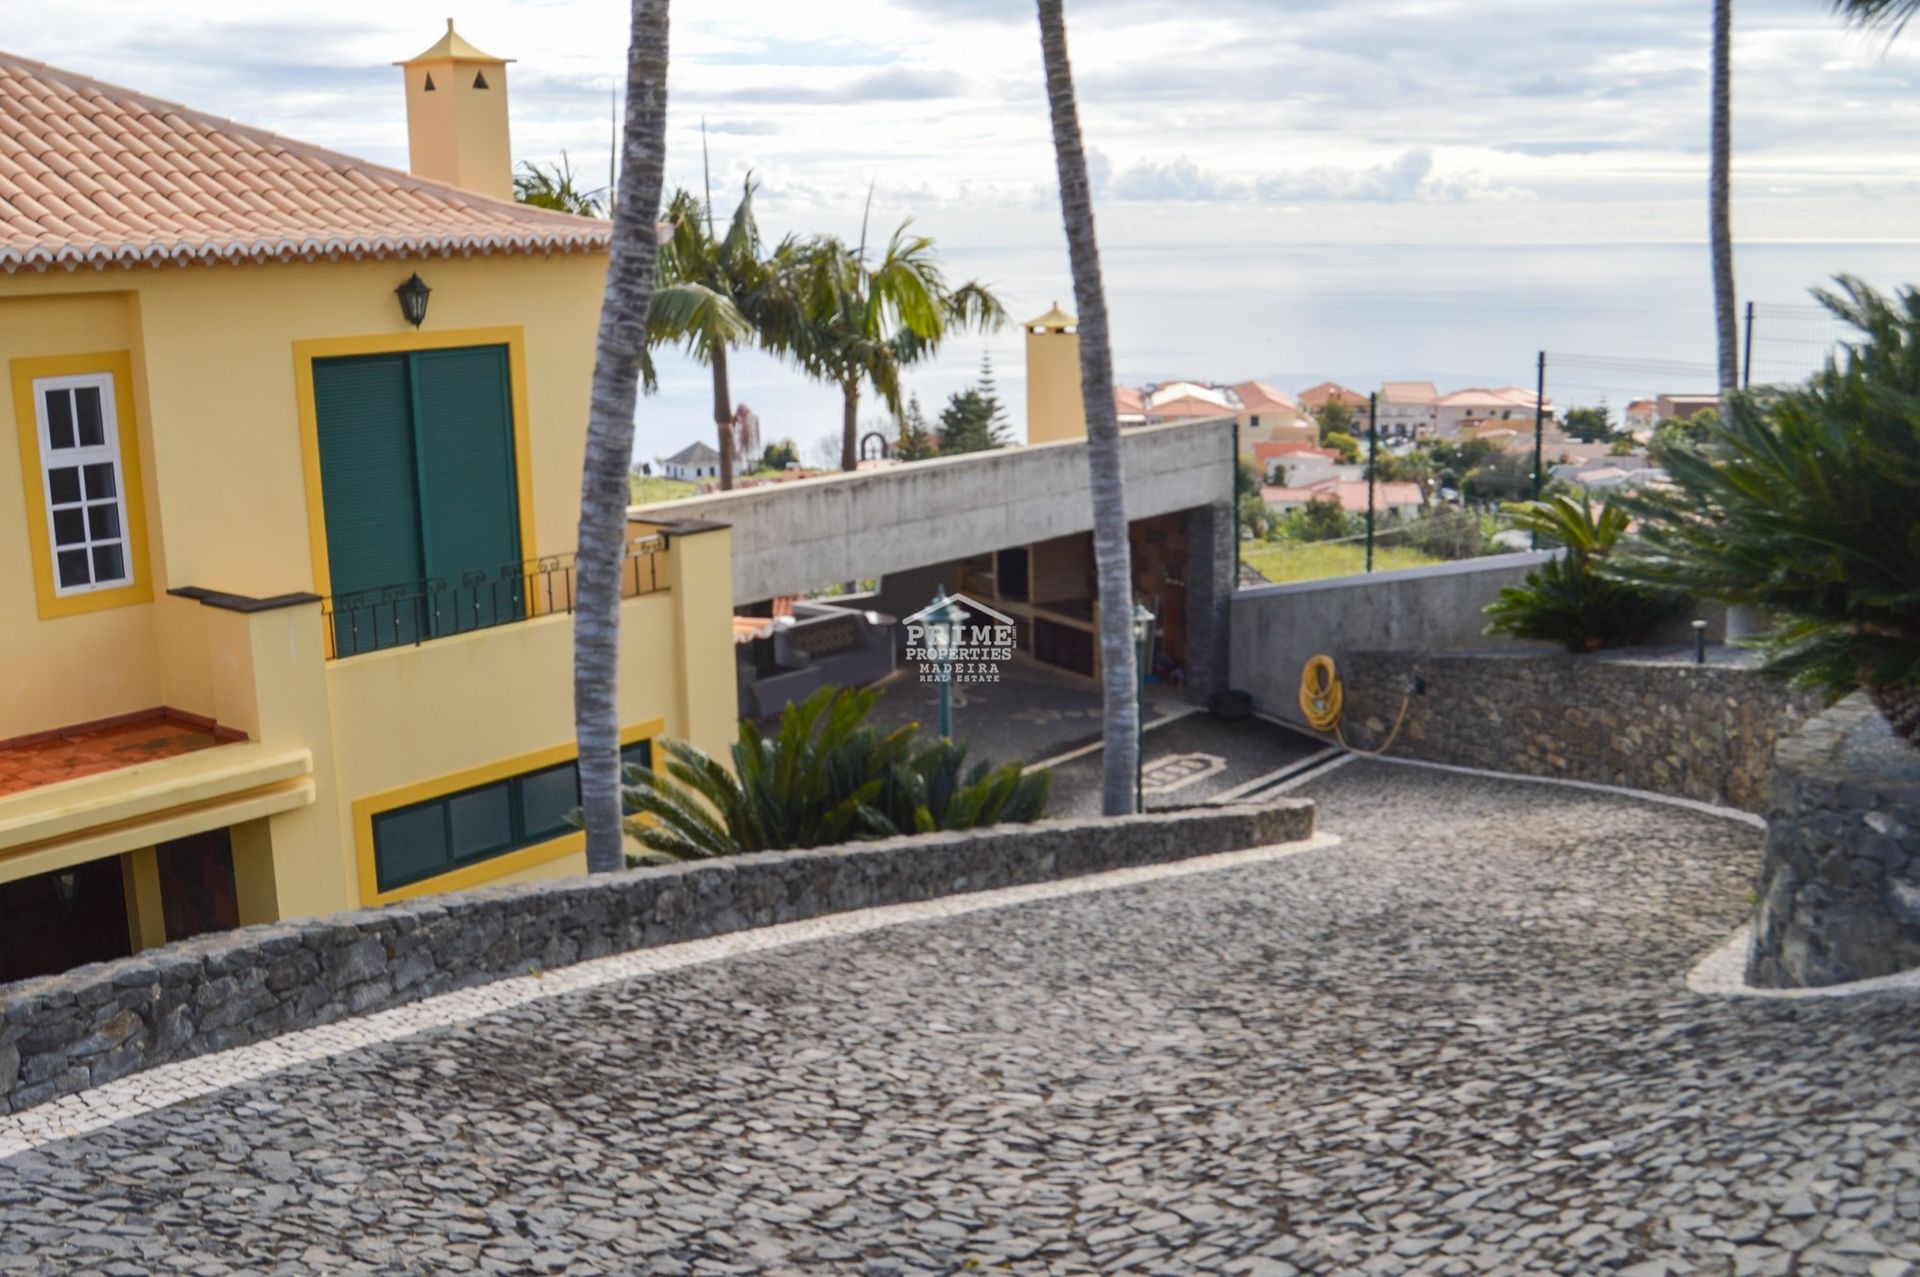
(1229, 126)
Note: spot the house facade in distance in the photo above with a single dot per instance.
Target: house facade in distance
(288, 519)
(695, 463)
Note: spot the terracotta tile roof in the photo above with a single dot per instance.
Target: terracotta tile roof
(1350, 493)
(1189, 406)
(1258, 396)
(1409, 392)
(92, 174)
(51, 757)
(1128, 401)
(1263, 451)
(1315, 398)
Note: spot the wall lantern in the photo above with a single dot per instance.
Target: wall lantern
(413, 299)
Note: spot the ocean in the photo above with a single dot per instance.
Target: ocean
(1618, 321)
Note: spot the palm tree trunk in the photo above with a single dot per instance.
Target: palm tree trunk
(1113, 560)
(603, 483)
(850, 426)
(723, 414)
(1720, 196)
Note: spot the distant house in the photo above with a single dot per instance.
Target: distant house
(1408, 409)
(1683, 407)
(1641, 414)
(1475, 410)
(1264, 414)
(1291, 461)
(1389, 498)
(692, 463)
(1314, 398)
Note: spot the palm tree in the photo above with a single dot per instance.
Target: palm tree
(715, 292)
(618, 350)
(1890, 16)
(1720, 196)
(1112, 558)
(555, 188)
(869, 319)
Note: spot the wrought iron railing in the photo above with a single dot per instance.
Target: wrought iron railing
(440, 607)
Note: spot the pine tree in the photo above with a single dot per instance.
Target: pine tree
(966, 423)
(999, 429)
(916, 438)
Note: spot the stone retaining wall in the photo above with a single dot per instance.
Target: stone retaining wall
(1704, 732)
(65, 1033)
(1840, 887)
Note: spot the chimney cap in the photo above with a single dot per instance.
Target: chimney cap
(453, 47)
(1054, 318)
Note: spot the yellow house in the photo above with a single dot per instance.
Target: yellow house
(288, 516)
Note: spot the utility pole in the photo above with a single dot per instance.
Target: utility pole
(1539, 428)
(1746, 373)
(1373, 466)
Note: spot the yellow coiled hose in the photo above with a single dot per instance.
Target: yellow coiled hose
(1322, 698)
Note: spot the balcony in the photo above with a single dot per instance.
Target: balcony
(416, 612)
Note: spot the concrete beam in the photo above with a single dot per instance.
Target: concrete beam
(791, 537)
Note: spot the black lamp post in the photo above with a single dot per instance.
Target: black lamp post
(413, 299)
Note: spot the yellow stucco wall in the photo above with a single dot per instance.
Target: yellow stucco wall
(457, 133)
(215, 397)
(1056, 408)
(95, 664)
(215, 355)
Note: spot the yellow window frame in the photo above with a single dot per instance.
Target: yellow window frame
(365, 809)
(117, 364)
(512, 336)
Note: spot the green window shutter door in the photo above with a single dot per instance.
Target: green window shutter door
(370, 496)
(469, 496)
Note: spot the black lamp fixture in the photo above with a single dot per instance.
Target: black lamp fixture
(413, 299)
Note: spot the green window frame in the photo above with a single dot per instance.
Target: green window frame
(481, 822)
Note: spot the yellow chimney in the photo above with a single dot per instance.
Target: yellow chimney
(1055, 408)
(457, 117)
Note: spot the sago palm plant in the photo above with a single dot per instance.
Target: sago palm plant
(1566, 600)
(1805, 503)
(824, 777)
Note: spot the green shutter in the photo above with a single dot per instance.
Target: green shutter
(468, 490)
(370, 495)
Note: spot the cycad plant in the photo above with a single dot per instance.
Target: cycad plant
(1805, 503)
(1566, 600)
(824, 777)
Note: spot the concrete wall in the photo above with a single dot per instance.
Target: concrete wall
(791, 537)
(65, 1033)
(1275, 629)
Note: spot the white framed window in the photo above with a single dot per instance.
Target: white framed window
(84, 485)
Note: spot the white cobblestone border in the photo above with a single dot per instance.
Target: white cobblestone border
(1723, 973)
(157, 1088)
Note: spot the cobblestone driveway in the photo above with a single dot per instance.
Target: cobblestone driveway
(1458, 1044)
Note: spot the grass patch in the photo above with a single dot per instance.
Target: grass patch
(648, 489)
(1280, 562)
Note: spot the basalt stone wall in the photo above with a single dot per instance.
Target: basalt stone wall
(1705, 732)
(1840, 887)
(66, 1033)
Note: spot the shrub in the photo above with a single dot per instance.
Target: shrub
(1450, 533)
(824, 777)
(1802, 502)
(1566, 600)
(1321, 519)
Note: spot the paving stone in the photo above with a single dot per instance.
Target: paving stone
(1460, 1044)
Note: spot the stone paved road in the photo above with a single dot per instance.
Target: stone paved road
(1458, 1044)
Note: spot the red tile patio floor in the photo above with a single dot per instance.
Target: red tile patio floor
(87, 751)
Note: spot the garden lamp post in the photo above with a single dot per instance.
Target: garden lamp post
(943, 630)
(1142, 634)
